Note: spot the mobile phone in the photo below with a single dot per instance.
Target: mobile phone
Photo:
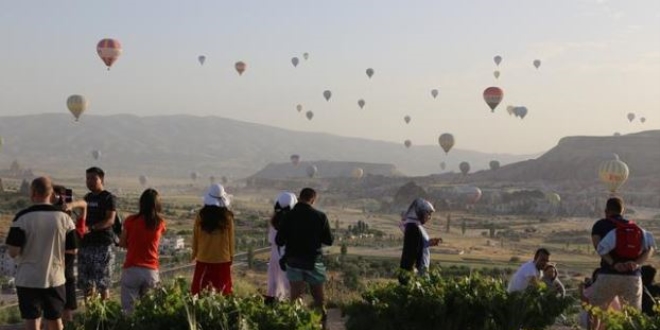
(68, 196)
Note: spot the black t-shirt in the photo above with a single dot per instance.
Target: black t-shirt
(97, 207)
(303, 231)
(413, 247)
(601, 228)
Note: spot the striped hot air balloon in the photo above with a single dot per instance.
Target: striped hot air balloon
(613, 173)
(109, 51)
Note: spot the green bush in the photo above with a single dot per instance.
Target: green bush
(173, 307)
(437, 302)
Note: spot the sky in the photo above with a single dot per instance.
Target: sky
(600, 61)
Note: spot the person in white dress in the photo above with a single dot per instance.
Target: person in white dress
(278, 285)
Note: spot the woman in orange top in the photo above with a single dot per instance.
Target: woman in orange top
(213, 243)
(141, 236)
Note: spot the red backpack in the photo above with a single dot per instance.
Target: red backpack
(629, 240)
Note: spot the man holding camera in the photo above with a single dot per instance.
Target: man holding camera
(38, 239)
(96, 256)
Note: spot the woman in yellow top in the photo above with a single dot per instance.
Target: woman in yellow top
(213, 243)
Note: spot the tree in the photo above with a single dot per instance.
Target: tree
(344, 249)
(463, 227)
(25, 188)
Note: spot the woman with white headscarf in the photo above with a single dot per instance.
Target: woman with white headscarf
(416, 241)
(213, 243)
(278, 284)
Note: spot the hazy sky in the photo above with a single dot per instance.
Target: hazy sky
(600, 60)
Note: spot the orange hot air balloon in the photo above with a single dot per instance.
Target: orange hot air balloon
(493, 96)
(109, 51)
(240, 67)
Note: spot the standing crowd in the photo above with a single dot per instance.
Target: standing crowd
(45, 239)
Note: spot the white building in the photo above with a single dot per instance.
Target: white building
(171, 244)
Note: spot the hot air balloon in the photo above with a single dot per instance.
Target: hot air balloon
(446, 141)
(240, 67)
(77, 104)
(470, 194)
(299, 107)
(553, 198)
(143, 180)
(96, 154)
(194, 176)
(494, 165)
(493, 97)
(309, 115)
(631, 117)
(509, 110)
(361, 103)
(294, 61)
(109, 51)
(406, 119)
(643, 120)
(496, 74)
(497, 59)
(370, 72)
(407, 143)
(434, 93)
(357, 173)
(306, 56)
(201, 59)
(311, 171)
(520, 112)
(443, 165)
(613, 173)
(537, 63)
(464, 167)
(295, 159)
(327, 95)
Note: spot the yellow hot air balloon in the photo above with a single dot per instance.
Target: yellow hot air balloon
(553, 198)
(357, 173)
(77, 104)
(613, 173)
(446, 141)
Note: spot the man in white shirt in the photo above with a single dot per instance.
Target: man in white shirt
(38, 238)
(529, 272)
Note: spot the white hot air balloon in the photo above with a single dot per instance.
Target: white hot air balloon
(613, 173)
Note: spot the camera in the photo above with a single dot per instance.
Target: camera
(68, 196)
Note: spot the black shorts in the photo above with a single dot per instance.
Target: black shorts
(32, 301)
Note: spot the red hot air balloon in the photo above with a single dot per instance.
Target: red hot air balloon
(108, 50)
(493, 96)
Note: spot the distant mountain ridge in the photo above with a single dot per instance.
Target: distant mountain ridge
(176, 145)
(577, 158)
